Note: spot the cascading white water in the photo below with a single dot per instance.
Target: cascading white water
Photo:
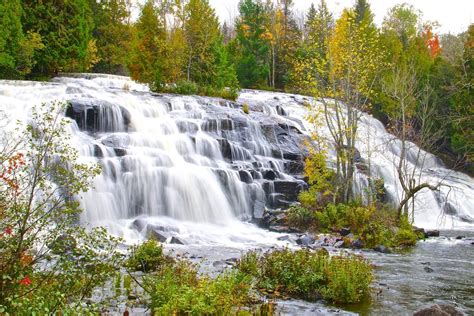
(450, 207)
(192, 163)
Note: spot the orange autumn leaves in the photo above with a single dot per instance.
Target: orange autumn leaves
(432, 42)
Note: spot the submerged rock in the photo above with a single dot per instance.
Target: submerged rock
(153, 233)
(305, 240)
(176, 241)
(439, 310)
(357, 244)
(432, 233)
(382, 249)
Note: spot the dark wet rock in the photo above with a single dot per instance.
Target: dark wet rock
(187, 127)
(294, 167)
(176, 241)
(139, 224)
(460, 237)
(439, 310)
(226, 148)
(293, 156)
(153, 232)
(357, 244)
(120, 152)
(280, 229)
(344, 231)
(94, 115)
(245, 176)
(449, 209)
(269, 174)
(116, 141)
(305, 240)
(231, 260)
(426, 263)
(382, 249)
(428, 269)
(363, 168)
(432, 233)
(281, 111)
(290, 189)
(419, 230)
(278, 201)
(218, 263)
(466, 218)
(284, 238)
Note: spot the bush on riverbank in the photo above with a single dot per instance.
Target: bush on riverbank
(175, 287)
(372, 225)
(310, 275)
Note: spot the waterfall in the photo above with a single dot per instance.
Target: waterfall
(451, 206)
(203, 161)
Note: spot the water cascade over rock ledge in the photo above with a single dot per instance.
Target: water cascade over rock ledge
(203, 160)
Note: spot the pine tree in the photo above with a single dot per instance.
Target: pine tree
(202, 33)
(112, 33)
(310, 67)
(17, 49)
(66, 29)
(147, 48)
(254, 40)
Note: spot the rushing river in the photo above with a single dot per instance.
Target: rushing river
(199, 169)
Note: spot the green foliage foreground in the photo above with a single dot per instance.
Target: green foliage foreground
(175, 286)
(49, 263)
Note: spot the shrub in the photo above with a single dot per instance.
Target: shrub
(373, 226)
(300, 217)
(49, 263)
(309, 275)
(186, 87)
(177, 289)
(146, 257)
(348, 280)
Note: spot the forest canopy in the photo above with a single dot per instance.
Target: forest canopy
(181, 46)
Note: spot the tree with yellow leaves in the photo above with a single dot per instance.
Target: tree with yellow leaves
(355, 61)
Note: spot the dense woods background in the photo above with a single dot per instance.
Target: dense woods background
(180, 46)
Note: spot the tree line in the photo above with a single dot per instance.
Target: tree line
(180, 43)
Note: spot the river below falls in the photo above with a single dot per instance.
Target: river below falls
(436, 270)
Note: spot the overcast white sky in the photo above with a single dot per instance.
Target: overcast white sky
(453, 15)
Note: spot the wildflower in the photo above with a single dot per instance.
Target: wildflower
(25, 281)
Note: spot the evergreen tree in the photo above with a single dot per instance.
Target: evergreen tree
(16, 48)
(202, 33)
(112, 33)
(147, 48)
(66, 30)
(254, 44)
(310, 68)
(362, 11)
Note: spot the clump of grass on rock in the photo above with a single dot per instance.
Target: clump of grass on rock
(309, 275)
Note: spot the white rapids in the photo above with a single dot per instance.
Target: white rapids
(167, 164)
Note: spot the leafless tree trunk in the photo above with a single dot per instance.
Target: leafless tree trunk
(413, 124)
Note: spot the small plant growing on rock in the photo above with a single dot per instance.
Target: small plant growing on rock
(245, 108)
